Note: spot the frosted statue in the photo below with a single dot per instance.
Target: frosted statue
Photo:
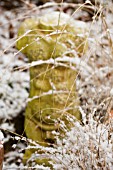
(51, 40)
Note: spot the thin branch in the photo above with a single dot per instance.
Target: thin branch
(1, 154)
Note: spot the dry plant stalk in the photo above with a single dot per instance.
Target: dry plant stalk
(1, 155)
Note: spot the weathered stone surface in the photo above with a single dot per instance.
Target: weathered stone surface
(52, 87)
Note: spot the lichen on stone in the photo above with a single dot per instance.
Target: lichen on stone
(52, 87)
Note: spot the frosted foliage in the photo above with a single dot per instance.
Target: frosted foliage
(1, 136)
(13, 85)
(86, 147)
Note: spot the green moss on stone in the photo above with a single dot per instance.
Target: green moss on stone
(52, 88)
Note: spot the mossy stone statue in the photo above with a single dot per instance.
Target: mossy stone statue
(52, 82)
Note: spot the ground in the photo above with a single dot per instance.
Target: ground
(94, 81)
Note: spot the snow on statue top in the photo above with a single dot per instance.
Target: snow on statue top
(51, 42)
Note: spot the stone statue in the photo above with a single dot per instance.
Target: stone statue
(52, 41)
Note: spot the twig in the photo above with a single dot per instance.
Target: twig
(1, 154)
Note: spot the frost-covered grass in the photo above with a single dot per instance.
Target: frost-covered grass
(84, 147)
(87, 146)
